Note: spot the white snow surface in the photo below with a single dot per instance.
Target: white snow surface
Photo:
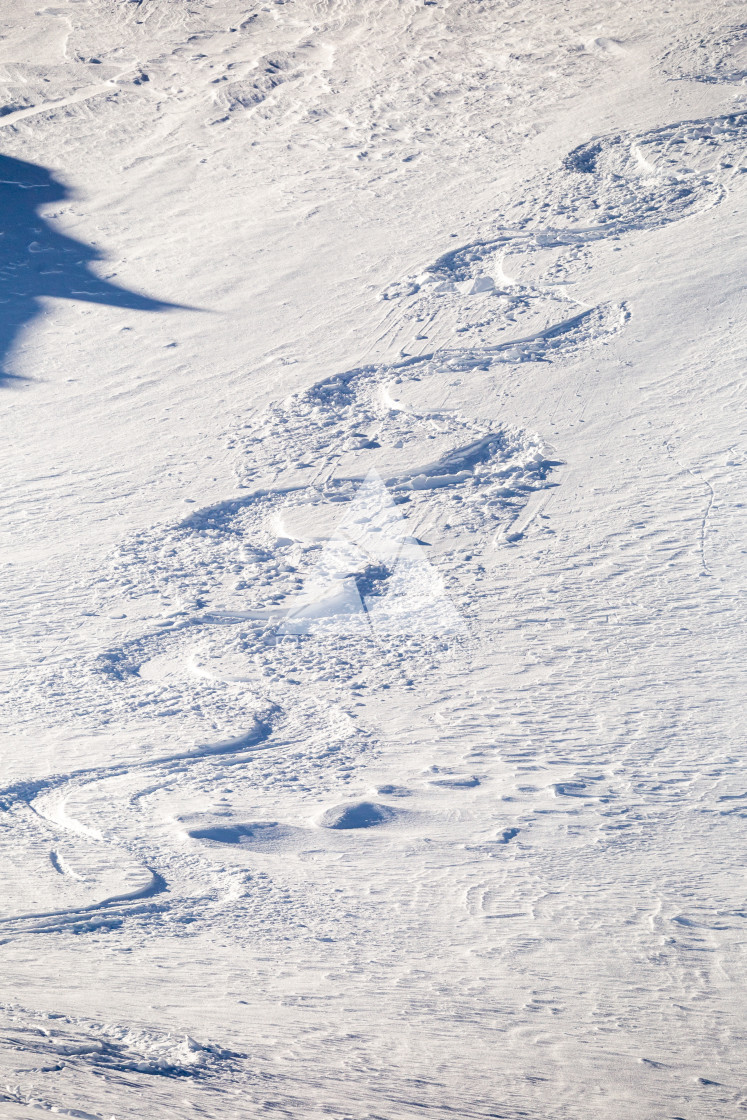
(373, 559)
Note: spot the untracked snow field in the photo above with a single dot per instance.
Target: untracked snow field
(373, 525)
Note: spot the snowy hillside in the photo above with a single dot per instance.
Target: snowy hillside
(373, 559)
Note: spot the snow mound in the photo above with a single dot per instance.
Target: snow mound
(359, 814)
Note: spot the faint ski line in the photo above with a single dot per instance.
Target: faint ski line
(703, 524)
(84, 94)
(709, 505)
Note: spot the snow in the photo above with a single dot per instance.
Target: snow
(373, 559)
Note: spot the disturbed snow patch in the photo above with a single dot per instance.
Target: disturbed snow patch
(112, 1047)
(506, 295)
(723, 59)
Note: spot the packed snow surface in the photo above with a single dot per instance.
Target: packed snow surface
(373, 559)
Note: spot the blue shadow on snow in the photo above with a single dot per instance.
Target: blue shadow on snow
(37, 261)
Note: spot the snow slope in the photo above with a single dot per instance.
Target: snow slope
(372, 559)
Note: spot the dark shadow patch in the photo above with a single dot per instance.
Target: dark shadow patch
(38, 262)
(254, 834)
(217, 835)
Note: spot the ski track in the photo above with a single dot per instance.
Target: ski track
(178, 824)
(133, 881)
